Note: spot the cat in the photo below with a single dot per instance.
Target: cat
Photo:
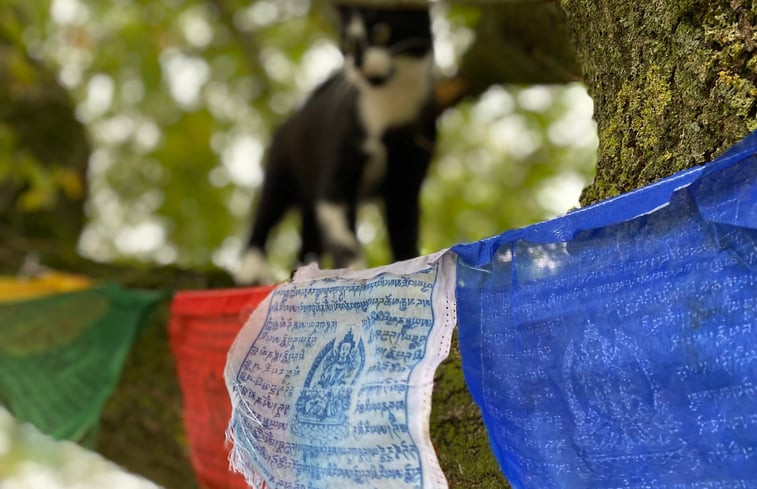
(367, 131)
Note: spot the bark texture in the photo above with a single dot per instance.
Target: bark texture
(673, 83)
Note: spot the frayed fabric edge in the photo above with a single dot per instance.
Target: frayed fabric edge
(241, 455)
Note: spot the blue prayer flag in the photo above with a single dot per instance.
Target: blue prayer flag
(615, 347)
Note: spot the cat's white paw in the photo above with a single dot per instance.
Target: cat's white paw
(356, 264)
(253, 269)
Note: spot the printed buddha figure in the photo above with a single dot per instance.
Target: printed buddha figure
(322, 407)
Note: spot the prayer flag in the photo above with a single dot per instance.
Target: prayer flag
(203, 325)
(331, 378)
(616, 347)
(61, 355)
(15, 288)
(30, 459)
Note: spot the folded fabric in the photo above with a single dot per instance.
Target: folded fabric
(202, 327)
(616, 347)
(61, 355)
(331, 378)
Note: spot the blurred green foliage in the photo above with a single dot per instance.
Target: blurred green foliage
(179, 98)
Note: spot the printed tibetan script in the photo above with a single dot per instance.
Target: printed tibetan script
(331, 379)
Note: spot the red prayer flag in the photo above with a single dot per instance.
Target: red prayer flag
(202, 327)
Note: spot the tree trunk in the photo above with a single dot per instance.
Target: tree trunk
(673, 83)
(44, 151)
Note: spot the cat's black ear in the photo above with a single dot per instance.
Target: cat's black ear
(343, 11)
(343, 15)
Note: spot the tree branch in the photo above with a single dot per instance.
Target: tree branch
(520, 44)
(247, 42)
(426, 3)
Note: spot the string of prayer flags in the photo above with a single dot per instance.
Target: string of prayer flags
(615, 347)
(61, 355)
(331, 378)
(202, 327)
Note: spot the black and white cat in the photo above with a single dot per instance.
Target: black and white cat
(367, 131)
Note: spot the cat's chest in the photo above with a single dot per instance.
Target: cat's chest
(399, 101)
(395, 104)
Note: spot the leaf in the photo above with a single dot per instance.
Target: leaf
(70, 182)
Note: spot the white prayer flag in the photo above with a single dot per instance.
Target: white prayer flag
(331, 378)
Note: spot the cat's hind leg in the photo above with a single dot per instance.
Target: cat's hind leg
(310, 251)
(275, 198)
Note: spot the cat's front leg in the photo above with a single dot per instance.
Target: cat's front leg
(275, 197)
(409, 156)
(311, 249)
(336, 202)
(402, 221)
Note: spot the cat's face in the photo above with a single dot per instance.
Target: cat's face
(374, 40)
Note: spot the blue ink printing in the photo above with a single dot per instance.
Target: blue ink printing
(331, 379)
(615, 347)
(323, 406)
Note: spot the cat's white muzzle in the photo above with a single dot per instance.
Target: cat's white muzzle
(377, 65)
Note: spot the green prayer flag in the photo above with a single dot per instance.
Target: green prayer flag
(61, 355)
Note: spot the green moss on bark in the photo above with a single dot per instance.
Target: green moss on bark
(458, 433)
(674, 84)
(142, 427)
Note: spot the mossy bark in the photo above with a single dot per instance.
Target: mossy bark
(458, 433)
(673, 82)
(142, 427)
